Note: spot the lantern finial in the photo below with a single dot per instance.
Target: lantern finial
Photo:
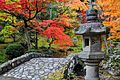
(91, 3)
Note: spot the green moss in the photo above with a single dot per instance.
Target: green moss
(57, 75)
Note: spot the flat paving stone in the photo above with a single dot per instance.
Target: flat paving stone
(36, 68)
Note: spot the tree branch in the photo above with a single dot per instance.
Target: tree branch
(37, 11)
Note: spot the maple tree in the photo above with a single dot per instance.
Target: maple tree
(39, 15)
(78, 8)
(57, 25)
(55, 32)
(26, 12)
(111, 16)
(7, 30)
(66, 19)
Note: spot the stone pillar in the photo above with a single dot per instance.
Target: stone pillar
(92, 71)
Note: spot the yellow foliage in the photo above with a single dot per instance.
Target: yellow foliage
(78, 5)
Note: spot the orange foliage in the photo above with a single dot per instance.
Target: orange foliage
(111, 16)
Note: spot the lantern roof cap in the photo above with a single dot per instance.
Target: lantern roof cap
(93, 25)
(91, 28)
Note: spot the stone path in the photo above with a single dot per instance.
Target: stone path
(37, 68)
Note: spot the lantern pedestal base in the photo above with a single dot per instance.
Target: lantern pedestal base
(92, 60)
(92, 72)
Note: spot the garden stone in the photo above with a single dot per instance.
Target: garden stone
(29, 77)
(21, 70)
(41, 72)
(50, 67)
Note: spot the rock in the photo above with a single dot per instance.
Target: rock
(29, 77)
(41, 72)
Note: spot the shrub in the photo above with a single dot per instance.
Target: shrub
(113, 63)
(14, 50)
(114, 60)
(2, 39)
(24, 44)
(3, 57)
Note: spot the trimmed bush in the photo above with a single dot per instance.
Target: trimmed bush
(14, 50)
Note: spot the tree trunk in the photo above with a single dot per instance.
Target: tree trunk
(14, 37)
(27, 37)
(36, 40)
(50, 44)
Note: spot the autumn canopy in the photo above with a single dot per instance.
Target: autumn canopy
(54, 24)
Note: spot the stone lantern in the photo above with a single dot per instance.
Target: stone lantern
(91, 32)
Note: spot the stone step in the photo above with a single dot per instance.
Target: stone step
(9, 78)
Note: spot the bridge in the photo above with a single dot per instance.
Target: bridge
(38, 67)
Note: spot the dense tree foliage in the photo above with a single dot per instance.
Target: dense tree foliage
(111, 16)
(46, 16)
(29, 16)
